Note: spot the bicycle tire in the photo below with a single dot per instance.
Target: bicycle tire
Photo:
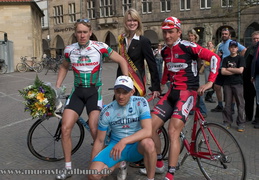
(21, 67)
(37, 67)
(3, 68)
(44, 139)
(164, 141)
(228, 165)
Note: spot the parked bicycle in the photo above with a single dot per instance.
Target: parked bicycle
(3, 66)
(51, 64)
(33, 65)
(216, 150)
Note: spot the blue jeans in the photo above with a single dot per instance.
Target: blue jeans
(202, 106)
(159, 63)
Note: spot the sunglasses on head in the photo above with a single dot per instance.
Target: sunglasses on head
(83, 20)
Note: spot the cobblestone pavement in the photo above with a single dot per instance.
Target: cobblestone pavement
(15, 123)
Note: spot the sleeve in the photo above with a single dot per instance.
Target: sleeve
(145, 110)
(211, 57)
(148, 54)
(103, 120)
(67, 54)
(105, 49)
(240, 47)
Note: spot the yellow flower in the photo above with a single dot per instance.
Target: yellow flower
(40, 97)
(40, 107)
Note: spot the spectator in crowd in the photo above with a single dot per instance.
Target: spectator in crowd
(255, 76)
(249, 88)
(232, 69)
(208, 96)
(223, 51)
(159, 60)
(194, 37)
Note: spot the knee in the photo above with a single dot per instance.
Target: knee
(173, 134)
(148, 145)
(66, 130)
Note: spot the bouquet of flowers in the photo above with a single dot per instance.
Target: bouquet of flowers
(40, 99)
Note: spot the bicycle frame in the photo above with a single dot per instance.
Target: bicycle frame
(190, 147)
(24, 60)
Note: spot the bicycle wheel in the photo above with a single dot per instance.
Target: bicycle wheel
(3, 68)
(37, 67)
(226, 164)
(164, 141)
(21, 67)
(44, 139)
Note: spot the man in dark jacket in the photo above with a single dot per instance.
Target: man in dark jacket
(249, 88)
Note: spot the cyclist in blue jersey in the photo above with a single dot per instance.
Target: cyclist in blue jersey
(86, 58)
(128, 117)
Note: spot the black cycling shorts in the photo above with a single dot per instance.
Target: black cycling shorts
(83, 97)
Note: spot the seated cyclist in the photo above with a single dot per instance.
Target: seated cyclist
(128, 117)
(180, 59)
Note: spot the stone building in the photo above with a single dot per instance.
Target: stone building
(207, 17)
(21, 20)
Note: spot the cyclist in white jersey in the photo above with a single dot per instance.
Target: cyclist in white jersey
(86, 58)
(128, 117)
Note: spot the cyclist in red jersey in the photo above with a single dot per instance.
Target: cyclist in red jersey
(181, 68)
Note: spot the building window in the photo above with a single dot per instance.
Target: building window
(72, 12)
(58, 14)
(105, 8)
(165, 5)
(42, 22)
(146, 6)
(226, 3)
(205, 4)
(185, 4)
(126, 4)
(252, 2)
(91, 9)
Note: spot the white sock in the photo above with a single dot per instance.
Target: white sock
(68, 165)
(151, 179)
(123, 164)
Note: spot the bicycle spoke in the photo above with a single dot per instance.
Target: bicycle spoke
(44, 139)
(226, 164)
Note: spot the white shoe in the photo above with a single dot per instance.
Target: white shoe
(158, 170)
(122, 174)
(65, 173)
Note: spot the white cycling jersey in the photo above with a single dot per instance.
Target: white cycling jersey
(87, 62)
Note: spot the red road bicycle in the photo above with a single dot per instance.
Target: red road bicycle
(216, 150)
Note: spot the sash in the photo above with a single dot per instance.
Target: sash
(133, 70)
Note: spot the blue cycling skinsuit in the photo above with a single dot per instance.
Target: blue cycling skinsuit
(123, 122)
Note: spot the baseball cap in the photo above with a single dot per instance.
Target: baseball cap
(170, 23)
(233, 43)
(124, 82)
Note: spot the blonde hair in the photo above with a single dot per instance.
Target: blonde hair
(192, 31)
(87, 24)
(135, 15)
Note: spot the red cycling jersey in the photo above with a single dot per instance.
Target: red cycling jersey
(181, 64)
